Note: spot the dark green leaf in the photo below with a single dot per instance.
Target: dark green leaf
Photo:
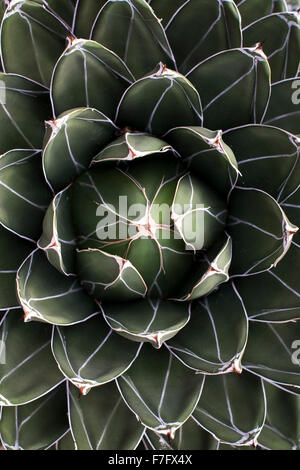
(160, 390)
(102, 421)
(29, 371)
(37, 425)
(91, 354)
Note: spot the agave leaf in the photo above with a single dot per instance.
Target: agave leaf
(23, 109)
(284, 107)
(130, 146)
(30, 370)
(153, 321)
(294, 390)
(71, 142)
(107, 276)
(63, 10)
(266, 157)
(189, 437)
(47, 295)
(165, 10)
(289, 194)
(214, 340)
(194, 201)
(252, 10)
(13, 251)
(166, 253)
(58, 239)
(209, 271)
(204, 34)
(37, 425)
(282, 48)
(282, 429)
(205, 153)
(158, 102)
(78, 72)
(234, 87)
(86, 353)
(260, 230)
(138, 30)
(27, 25)
(232, 408)
(164, 397)
(23, 203)
(94, 195)
(102, 421)
(64, 443)
(280, 340)
(277, 291)
(85, 15)
(229, 447)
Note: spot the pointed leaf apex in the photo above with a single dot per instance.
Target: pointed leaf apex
(258, 48)
(72, 40)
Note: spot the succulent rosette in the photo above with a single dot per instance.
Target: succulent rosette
(149, 209)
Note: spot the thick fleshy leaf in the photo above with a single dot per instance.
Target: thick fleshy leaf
(260, 231)
(282, 427)
(77, 74)
(86, 13)
(107, 276)
(282, 48)
(24, 194)
(277, 291)
(47, 295)
(95, 196)
(13, 251)
(279, 362)
(164, 10)
(159, 102)
(214, 340)
(136, 238)
(189, 436)
(232, 408)
(58, 239)
(208, 27)
(37, 425)
(284, 107)
(289, 195)
(87, 354)
(63, 10)
(30, 370)
(164, 397)
(252, 10)
(24, 105)
(138, 30)
(196, 205)
(153, 321)
(205, 153)
(29, 26)
(2, 9)
(266, 157)
(209, 271)
(64, 443)
(234, 87)
(71, 142)
(131, 146)
(102, 421)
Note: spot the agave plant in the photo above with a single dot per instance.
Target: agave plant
(125, 328)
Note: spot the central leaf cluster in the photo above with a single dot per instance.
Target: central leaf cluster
(136, 215)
